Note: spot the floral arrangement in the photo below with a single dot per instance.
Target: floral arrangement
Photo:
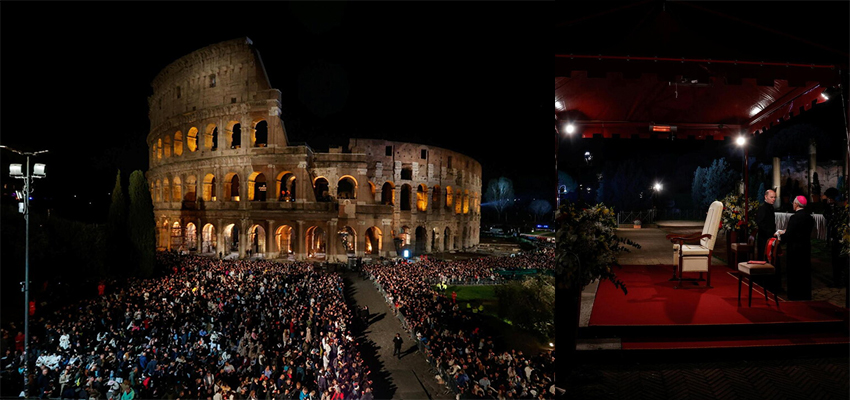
(587, 246)
(732, 217)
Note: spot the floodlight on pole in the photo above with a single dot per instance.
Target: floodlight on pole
(657, 187)
(17, 171)
(740, 141)
(570, 129)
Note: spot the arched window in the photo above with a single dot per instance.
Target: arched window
(422, 198)
(322, 190)
(166, 146)
(178, 143)
(231, 187)
(373, 240)
(234, 139)
(231, 238)
(176, 236)
(261, 134)
(176, 189)
(257, 187)
(191, 238)
(159, 149)
(405, 197)
(286, 186)
(349, 239)
(316, 242)
(166, 190)
(346, 188)
(283, 237)
(191, 189)
(459, 202)
(211, 137)
(192, 139)
(257, 240)
(449, 197)
(388, 194)
(466, 202)
(209, 188)
(208, 240)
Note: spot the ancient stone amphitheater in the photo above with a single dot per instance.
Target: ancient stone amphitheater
(226, 181)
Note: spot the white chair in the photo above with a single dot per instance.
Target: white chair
(696, 257)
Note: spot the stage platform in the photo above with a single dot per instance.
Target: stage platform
(655, 316)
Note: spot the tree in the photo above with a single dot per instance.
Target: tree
(141, 225)
(500, 194)
(713, 183)
(626, 186)
(540, 208)
(529, 304)
(116, 226)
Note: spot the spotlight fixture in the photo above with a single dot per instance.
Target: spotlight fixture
(570, 129)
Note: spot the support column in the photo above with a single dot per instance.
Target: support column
(387, 244)
(303, 184)
(333, 244)
(243, 237)
(199, 236)
(777, 183)
(219, 241)
(271, 246)
(299, 241)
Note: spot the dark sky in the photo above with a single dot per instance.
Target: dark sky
(467, 77)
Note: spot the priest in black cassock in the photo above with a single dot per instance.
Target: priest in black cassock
(797, 240)
(766, 221)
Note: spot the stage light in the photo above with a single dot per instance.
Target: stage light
(657, 187)
(570, 129)
(740, 141)
(559, 105)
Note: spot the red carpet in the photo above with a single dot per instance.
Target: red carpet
(652, 301)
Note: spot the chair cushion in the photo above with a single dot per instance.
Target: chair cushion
(756, 269)
(694, 250)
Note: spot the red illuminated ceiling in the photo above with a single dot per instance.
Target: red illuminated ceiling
(613, 96)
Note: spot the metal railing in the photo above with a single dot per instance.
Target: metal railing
(628, 217)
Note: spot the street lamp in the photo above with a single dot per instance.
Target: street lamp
(742, 142)
(17, 171)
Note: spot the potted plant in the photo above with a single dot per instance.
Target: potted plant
(637, 224)
(586, 251)
(732, 219)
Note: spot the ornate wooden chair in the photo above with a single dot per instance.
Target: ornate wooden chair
(696, 257)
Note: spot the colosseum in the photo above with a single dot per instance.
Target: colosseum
(226, 181)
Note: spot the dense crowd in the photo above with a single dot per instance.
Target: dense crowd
(484, 270)
(451, 335)
(210, 329)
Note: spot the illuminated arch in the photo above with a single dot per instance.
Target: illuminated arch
(260, 134)
(321, 189)
(166, 190)
(176, 236)
(316, 243)
(449, 197)
(373, 240)
(466, 202)
(422, 198)
(159, 149)
(257, 187)
(231, 187)
(192, 139)
(231, 239)
(349, 239)
(234, 135)
(164, 235)
(209, 188)
(176, 189)
(166, 146)
(178, 143)
(211, 137)
(191, 237)
(346, 187)
(283, 238)
(257, 240)
(191, 189)
(208, 239)
(286, 186)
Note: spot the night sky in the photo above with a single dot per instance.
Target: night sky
(76, 78)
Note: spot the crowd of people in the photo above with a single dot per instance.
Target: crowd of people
(484, 270)
(451, 336)
(210, 329)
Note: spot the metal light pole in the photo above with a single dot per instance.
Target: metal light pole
(16, 172)
(742, 141)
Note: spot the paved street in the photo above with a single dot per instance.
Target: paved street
(405, 378)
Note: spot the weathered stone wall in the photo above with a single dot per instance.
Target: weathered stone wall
(234, 193)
